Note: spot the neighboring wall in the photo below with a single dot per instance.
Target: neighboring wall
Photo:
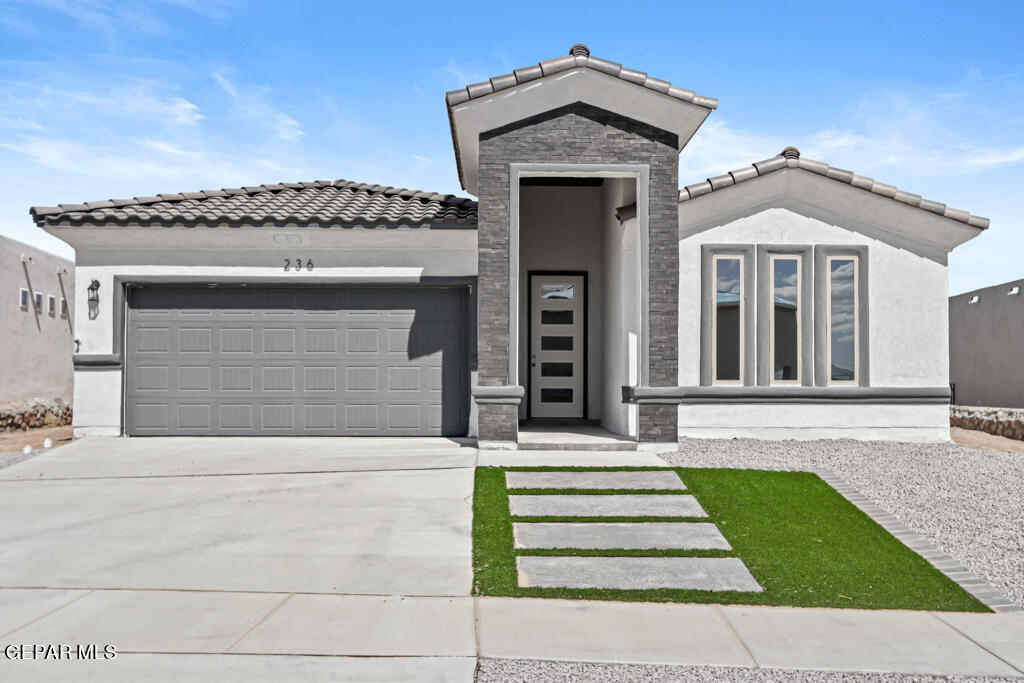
(986, 346)
(560, 229)
(37, 345)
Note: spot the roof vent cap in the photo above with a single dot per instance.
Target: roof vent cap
(791, 153)
(579, 50)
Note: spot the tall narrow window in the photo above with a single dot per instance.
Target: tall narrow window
(23, 299)
(842, 319)
(728, 319)
(63, 308)
(51, 306)
(785, 320)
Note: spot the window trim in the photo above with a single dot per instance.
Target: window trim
(765, 325)
(823, 256)
(23, 298)
(51, 305)
(37, 301)
(64, 312)
(772, 259)
(748, 328)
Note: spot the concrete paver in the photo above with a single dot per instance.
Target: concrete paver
(528, 458)
(641, 633)
(636, 573)
(652, 480)
(624, 535)
(366, 625)
(132, 667)
(152, 621)
(852, 640)
(598, 505)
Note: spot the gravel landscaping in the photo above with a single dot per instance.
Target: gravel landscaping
(532, 671)
(966, 501)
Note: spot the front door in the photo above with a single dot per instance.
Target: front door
(557, 345)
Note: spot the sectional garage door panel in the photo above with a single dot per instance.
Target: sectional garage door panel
(297, 361)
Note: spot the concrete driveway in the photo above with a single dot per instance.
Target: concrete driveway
(272, 548)
(378, 517)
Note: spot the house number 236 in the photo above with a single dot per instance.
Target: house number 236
(298, 265)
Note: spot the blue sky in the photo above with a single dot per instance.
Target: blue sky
(111, 99)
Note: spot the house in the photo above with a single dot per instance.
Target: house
(986, 354)
(787, 299)
(36, 324)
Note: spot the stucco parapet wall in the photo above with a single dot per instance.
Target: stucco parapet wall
(832, 395)
(1008, 422)
(790, 158)
(506, 394)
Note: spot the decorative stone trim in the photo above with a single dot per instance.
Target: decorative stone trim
(508, 394)
(785, 394)
(21, 417)
(1008, 422)
(970, 582)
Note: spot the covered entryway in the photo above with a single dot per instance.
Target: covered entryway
(297, 360)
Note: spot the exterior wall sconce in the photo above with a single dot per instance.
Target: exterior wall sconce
(94, 299)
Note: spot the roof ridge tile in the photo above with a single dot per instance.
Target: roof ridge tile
(790, 158)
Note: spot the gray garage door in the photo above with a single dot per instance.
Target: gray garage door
(308, 361)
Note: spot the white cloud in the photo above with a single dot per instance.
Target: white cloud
(251, 104)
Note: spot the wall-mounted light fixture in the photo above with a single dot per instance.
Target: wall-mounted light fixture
(94, 299)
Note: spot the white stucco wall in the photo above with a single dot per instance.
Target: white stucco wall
(622, 312)
(355, 256)
(560, 229)
(907, 334)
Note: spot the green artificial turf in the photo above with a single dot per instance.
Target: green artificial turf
(803, 541)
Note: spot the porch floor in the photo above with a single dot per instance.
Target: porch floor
(535, 436)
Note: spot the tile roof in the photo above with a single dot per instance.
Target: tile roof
(320, 203)
(790, 158)
(579, 56)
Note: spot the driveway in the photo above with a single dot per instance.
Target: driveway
(378, 517)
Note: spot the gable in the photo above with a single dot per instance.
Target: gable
(577, 78)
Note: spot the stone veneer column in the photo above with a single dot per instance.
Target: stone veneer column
(575, 134)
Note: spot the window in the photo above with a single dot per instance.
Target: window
(558, 291)
(785, 327)
(63, 307)
(842, 323)
(38, 302)
(51, 306)
(23, 299)
(727, 319)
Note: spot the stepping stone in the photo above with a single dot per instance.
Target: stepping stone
(624, 535)
(663, 480)
(605, 505)
(637, 573)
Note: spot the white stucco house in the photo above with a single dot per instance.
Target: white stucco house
(787, 299)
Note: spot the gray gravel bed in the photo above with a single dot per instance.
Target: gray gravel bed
(14, 457)
(523, 670)
(968, 502)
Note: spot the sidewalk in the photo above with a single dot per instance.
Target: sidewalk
(264, 636)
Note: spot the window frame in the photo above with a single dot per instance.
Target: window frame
(710, 254)
(823, 257)
(37, 302)
(829, 260)
(51, 305)
(766, 253)
(772, 259)
(24, 300)
(716, 259)
(64, 312)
